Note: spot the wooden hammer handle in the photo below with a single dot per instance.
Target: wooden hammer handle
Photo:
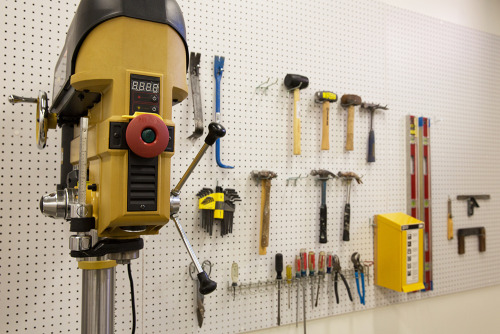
(325, 138)
(264, 217)
(349, 145)
(296, 122)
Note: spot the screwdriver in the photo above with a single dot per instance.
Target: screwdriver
(297, 277)
(279, 270)
(303, 274)
(321, 273)
(289, 281)
(234, 278)
(312, 260)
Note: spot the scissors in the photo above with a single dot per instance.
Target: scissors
(200, 308)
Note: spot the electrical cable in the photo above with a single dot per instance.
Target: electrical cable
(129, 269)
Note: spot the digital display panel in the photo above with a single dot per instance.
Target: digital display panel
(145, 86)
(144, 94)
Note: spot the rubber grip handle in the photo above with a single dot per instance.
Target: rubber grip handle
(371, 146)
(278, 263)
(347, 222)
(322, 224)
(215, 131)
(206, 284)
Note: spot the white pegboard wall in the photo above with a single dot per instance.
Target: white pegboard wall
(415, 64)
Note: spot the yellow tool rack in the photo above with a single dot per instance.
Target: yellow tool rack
(399, 252)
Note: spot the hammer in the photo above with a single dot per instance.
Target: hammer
(296, 82)
(348, 177)
(371, 136)
(323, 176)
(325, 98)
(265, 177)
(349, 102)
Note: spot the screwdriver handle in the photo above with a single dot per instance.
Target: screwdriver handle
(329, 262)
(289, 274)
(321, 263)
(279, 265)
(234, 273)
(303, 259)
(312, 263)
(297, 266)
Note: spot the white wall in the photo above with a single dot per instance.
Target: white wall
(475, 311)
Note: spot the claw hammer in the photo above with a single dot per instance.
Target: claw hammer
(265, 177)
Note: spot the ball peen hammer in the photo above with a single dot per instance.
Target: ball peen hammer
(265, 177)
(325, 98)
(296, 82)
(371, 136)
(349, 101)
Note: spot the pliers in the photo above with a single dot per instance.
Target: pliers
(200, 307)
(359, 271)
(337, 269)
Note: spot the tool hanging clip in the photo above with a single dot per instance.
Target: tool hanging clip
(218, 69)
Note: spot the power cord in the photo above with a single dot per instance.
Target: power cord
(129, 269)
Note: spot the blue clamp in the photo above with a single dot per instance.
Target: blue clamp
(218, 69)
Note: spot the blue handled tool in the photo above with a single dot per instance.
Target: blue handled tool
(358, 271)
(218, 69)
(371, 136)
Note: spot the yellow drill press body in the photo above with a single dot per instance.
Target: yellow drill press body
(113, 55)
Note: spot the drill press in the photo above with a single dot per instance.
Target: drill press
(120, 71)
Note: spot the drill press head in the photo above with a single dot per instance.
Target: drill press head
(123, 66)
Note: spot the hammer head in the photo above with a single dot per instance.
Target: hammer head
(296, 81)
(324, 96)
(323, 174)
(350, 176)
(372, 106)
(350, 100)
(263, 174)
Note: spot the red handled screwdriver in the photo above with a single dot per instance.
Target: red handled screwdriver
(321, 273)
(312, 267)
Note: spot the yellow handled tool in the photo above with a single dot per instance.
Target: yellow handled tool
(450, 220)
(296, 82)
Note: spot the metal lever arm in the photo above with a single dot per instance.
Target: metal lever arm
(215, 131)
(21, 99)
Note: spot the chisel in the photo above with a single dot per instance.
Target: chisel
(321, 273)
(450, 220)
(288, 281)
(312, 263)
(279, 270)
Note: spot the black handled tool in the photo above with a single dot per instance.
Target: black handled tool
(371, 136)
(279, 269)
(337, 269)
(472, 202)
(348, 177)
(323, 176)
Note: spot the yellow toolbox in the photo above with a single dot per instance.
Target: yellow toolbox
(399, 252)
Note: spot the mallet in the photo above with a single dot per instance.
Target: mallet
(296, 82)
(325, 98)
(350, 101)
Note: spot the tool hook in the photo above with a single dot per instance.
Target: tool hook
(218, 69)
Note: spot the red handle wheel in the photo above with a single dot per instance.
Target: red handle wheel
(147, 136)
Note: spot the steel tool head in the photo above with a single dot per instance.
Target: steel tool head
(350, 176)
(324, 96)
(372, 106)
(263, 175)
(323, 174)
(294, 81)
(350, 100)
(218, 66)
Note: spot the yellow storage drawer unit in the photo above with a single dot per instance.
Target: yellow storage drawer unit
(399, 252)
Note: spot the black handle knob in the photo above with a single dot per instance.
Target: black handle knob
(279, 265)
(322, 225)
(206, 284)
(215, 131)
(347, 222)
